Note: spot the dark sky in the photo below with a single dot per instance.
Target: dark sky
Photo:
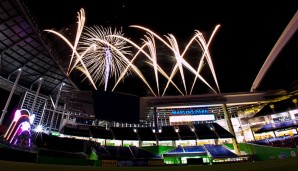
(248, 32)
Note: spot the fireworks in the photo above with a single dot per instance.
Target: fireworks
(103, 53)
(104, 61)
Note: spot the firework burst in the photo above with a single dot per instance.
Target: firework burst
(103, 62)
(103, 53)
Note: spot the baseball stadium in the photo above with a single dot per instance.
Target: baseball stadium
(100, 101)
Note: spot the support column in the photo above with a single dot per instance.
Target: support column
(42, 115)
(155, 117)
(174, 143)
(241, 129)
(55, 107)
(140, 143)
(252, 133)
(4, 111)
(35, 97)
(295, 102)
(231, 129)
(62, 117)
(274, 134)
(155, 121)
(1, 64)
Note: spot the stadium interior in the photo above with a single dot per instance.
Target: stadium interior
(75, 127)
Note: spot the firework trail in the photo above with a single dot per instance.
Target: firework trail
(102, 53)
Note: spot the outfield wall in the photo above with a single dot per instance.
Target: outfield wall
(261, 152)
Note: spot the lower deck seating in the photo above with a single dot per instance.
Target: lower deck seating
(196, 149)
(143, 154)
(219, 151)
(285, 141)
(119, 152)
(182, 151)
(53, 146)
(61, 154)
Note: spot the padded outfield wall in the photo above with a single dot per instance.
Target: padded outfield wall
(260, 152)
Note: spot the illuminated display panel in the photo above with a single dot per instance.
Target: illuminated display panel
(191, 118)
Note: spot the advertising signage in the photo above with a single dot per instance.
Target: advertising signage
(195, 111)
(191, 118)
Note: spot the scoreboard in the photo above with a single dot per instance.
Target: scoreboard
(184, 116)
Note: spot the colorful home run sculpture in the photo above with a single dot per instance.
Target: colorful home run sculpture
(19, 132)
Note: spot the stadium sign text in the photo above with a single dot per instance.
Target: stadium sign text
(189, 111)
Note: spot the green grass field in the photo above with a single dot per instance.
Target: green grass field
(290, 164)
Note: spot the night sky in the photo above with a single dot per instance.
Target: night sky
(248, 32)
